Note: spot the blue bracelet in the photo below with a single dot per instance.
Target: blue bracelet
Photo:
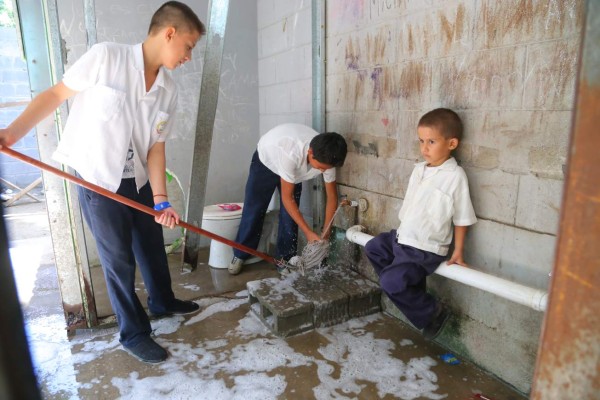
(162, 206)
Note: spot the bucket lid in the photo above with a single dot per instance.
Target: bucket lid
(222, 211)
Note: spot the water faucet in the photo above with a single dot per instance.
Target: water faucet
(360, 203)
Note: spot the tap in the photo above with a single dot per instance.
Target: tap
(360, 203)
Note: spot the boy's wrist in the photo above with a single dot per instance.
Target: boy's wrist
(159, 198)
(162, 206)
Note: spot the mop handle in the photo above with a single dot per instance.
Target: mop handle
(128, 202)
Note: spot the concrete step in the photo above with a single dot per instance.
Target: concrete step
(323, 297)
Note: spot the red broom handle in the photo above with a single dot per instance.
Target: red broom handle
(128, 202)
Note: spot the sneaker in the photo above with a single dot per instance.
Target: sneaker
(178, 307)
(235, 266)
(437, 323)
(148, 351)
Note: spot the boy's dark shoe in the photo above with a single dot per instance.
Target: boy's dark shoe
(437, 323)
(147, 350)
(178, 307)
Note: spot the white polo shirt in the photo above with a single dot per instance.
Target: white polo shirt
(112, 110)
(432, 203)
(284, 150)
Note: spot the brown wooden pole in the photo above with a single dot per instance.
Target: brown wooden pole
(124, 200)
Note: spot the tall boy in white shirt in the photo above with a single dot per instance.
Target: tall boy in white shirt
(123, 111)
(286, 156)
(437, 199)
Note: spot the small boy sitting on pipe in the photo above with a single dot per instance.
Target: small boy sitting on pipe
(436, 199)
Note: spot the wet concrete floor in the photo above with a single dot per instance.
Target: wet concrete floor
(224, 351)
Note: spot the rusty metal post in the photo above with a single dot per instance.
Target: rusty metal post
(568, 356)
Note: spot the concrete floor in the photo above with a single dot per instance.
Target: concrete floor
(224, 351)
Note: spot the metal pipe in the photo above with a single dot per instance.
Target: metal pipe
(530, 297)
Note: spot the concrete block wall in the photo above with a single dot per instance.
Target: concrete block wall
(284, 62)
(14, 87)
(285, 70)
(509, 70)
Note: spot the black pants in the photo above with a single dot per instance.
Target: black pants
(123, 236)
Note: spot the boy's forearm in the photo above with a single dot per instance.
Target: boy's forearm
(287, 198)
(40, 107)
(460, 232)
(156, 172)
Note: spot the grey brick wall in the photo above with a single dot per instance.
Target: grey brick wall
(14, 87)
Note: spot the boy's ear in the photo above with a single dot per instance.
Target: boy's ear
(169, 33)
(453, 143)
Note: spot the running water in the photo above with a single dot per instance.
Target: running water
(331, 222)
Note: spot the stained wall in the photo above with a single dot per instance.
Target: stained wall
(508, 68)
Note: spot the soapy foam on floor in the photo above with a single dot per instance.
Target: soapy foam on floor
(245, 371)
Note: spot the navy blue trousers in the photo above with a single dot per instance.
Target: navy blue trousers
(402, 272)
(123, 236)
(260, 187)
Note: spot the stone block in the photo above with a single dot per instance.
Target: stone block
(362, 49)
(364, 296)
(551, 74)
(480, 79)
(283, 310)
(388, 176)
(511, 253)
(301, 95)
(427, 34)
(353, 172)
(494, 194)
(539, 203)
(330, 304)
(272, 39)
(267, 68)
(504, 23)
(345, 16)
(323, 297)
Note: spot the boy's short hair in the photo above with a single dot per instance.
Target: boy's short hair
(329, 148)
(177, 15)
(446, 121)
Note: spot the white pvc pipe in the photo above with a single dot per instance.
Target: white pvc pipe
(533, 298)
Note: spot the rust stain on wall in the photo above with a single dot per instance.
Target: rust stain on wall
(352, 55)
(376, 46)
(411, 44)
(410, 82)
(452, 32)
(525, 17)
(379, 93)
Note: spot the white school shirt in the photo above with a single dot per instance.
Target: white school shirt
(113, 110)
(432, 204)
(284, 150)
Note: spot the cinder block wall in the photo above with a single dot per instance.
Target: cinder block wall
(285, 70)
(14, 87)
(509, 70)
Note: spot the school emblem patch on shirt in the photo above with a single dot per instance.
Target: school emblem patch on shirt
(161, 123)
(160, 127)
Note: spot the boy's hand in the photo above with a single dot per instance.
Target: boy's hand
(6, 138)
(168, 218)
(457, 258)
(312, 237)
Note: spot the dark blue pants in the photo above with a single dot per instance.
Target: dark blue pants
(402, 274)
(124, 235)
(260, 187)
